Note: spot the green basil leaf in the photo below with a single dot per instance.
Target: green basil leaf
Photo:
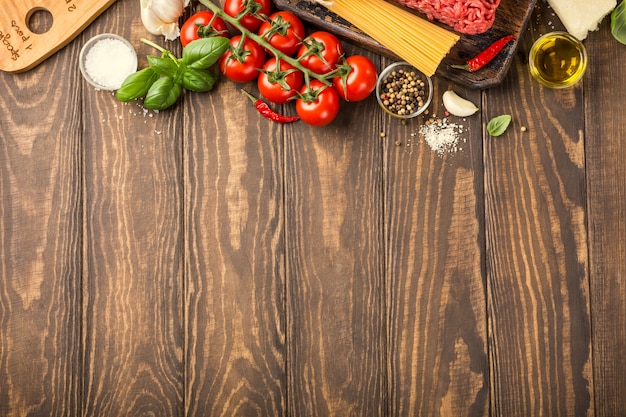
(618, 23)
(136, 84)
(163, 94)
(165, 67)
(203, 53)
(198, 80)
(182, 69)
(498, 125)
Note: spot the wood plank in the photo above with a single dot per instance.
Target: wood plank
(334, 238)
(234, 257)
(40, 239)
(606, 174)
(539, 320)
(435, 265)
(133, 275)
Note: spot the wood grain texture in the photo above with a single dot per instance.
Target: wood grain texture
(434, 267)
(537, 263)
(235, 278)
(203, 261)
(606, 152)
(335, 310)
(40, 241)
(133, 274)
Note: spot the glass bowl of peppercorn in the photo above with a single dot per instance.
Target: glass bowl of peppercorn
(403, 91)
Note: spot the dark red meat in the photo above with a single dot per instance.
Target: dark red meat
(465, 16)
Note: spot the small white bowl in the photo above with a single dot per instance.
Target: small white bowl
(106, 65)
(382, 95)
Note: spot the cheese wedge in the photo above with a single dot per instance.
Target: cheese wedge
(581, 16)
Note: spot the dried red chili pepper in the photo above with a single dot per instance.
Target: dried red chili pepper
(486, 56)
(265, 110)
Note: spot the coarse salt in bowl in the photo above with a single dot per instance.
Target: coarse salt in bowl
(415, 89)
(106, 60)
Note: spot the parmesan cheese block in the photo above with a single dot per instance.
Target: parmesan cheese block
(581, 16)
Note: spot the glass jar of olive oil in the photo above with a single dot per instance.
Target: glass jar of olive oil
(557, 60)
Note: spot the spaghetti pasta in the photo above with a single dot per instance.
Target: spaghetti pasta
(414, 39)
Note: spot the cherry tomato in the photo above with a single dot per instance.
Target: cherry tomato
(235, 7)
(319, 105)
(320, 52)
(197, 26)
(357, 79)
(284, 31)
(279, 86)
(241, 63)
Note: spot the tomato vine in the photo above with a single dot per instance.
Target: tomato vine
(311, 70)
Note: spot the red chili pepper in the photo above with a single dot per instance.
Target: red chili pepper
(267, 112)
(485, 56)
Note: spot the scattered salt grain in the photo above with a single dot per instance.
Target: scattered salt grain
(441, 135)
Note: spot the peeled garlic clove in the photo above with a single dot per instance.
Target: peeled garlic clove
(457, 105)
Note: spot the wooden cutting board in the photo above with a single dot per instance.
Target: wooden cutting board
(21, 49)
(511, 18)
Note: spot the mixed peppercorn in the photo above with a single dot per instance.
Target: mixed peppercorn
(404, 92)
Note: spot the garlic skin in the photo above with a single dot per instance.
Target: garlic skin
(160, 17)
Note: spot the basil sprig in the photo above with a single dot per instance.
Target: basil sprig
(498, 125)
(618, 23)
(163, 81)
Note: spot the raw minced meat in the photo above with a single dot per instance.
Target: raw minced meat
(470, 17)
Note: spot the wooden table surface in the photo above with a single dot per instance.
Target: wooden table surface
(203, 261)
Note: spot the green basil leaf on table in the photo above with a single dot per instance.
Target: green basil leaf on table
(498, 125)
(618, 23)
(165, 67)
(203, 53)
(198, 80)
(163, 94)
(137, 84)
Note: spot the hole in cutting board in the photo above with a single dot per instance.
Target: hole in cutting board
(39, 20)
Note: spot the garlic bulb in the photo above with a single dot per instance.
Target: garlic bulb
(160, 17)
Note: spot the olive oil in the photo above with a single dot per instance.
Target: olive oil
(557, 60)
